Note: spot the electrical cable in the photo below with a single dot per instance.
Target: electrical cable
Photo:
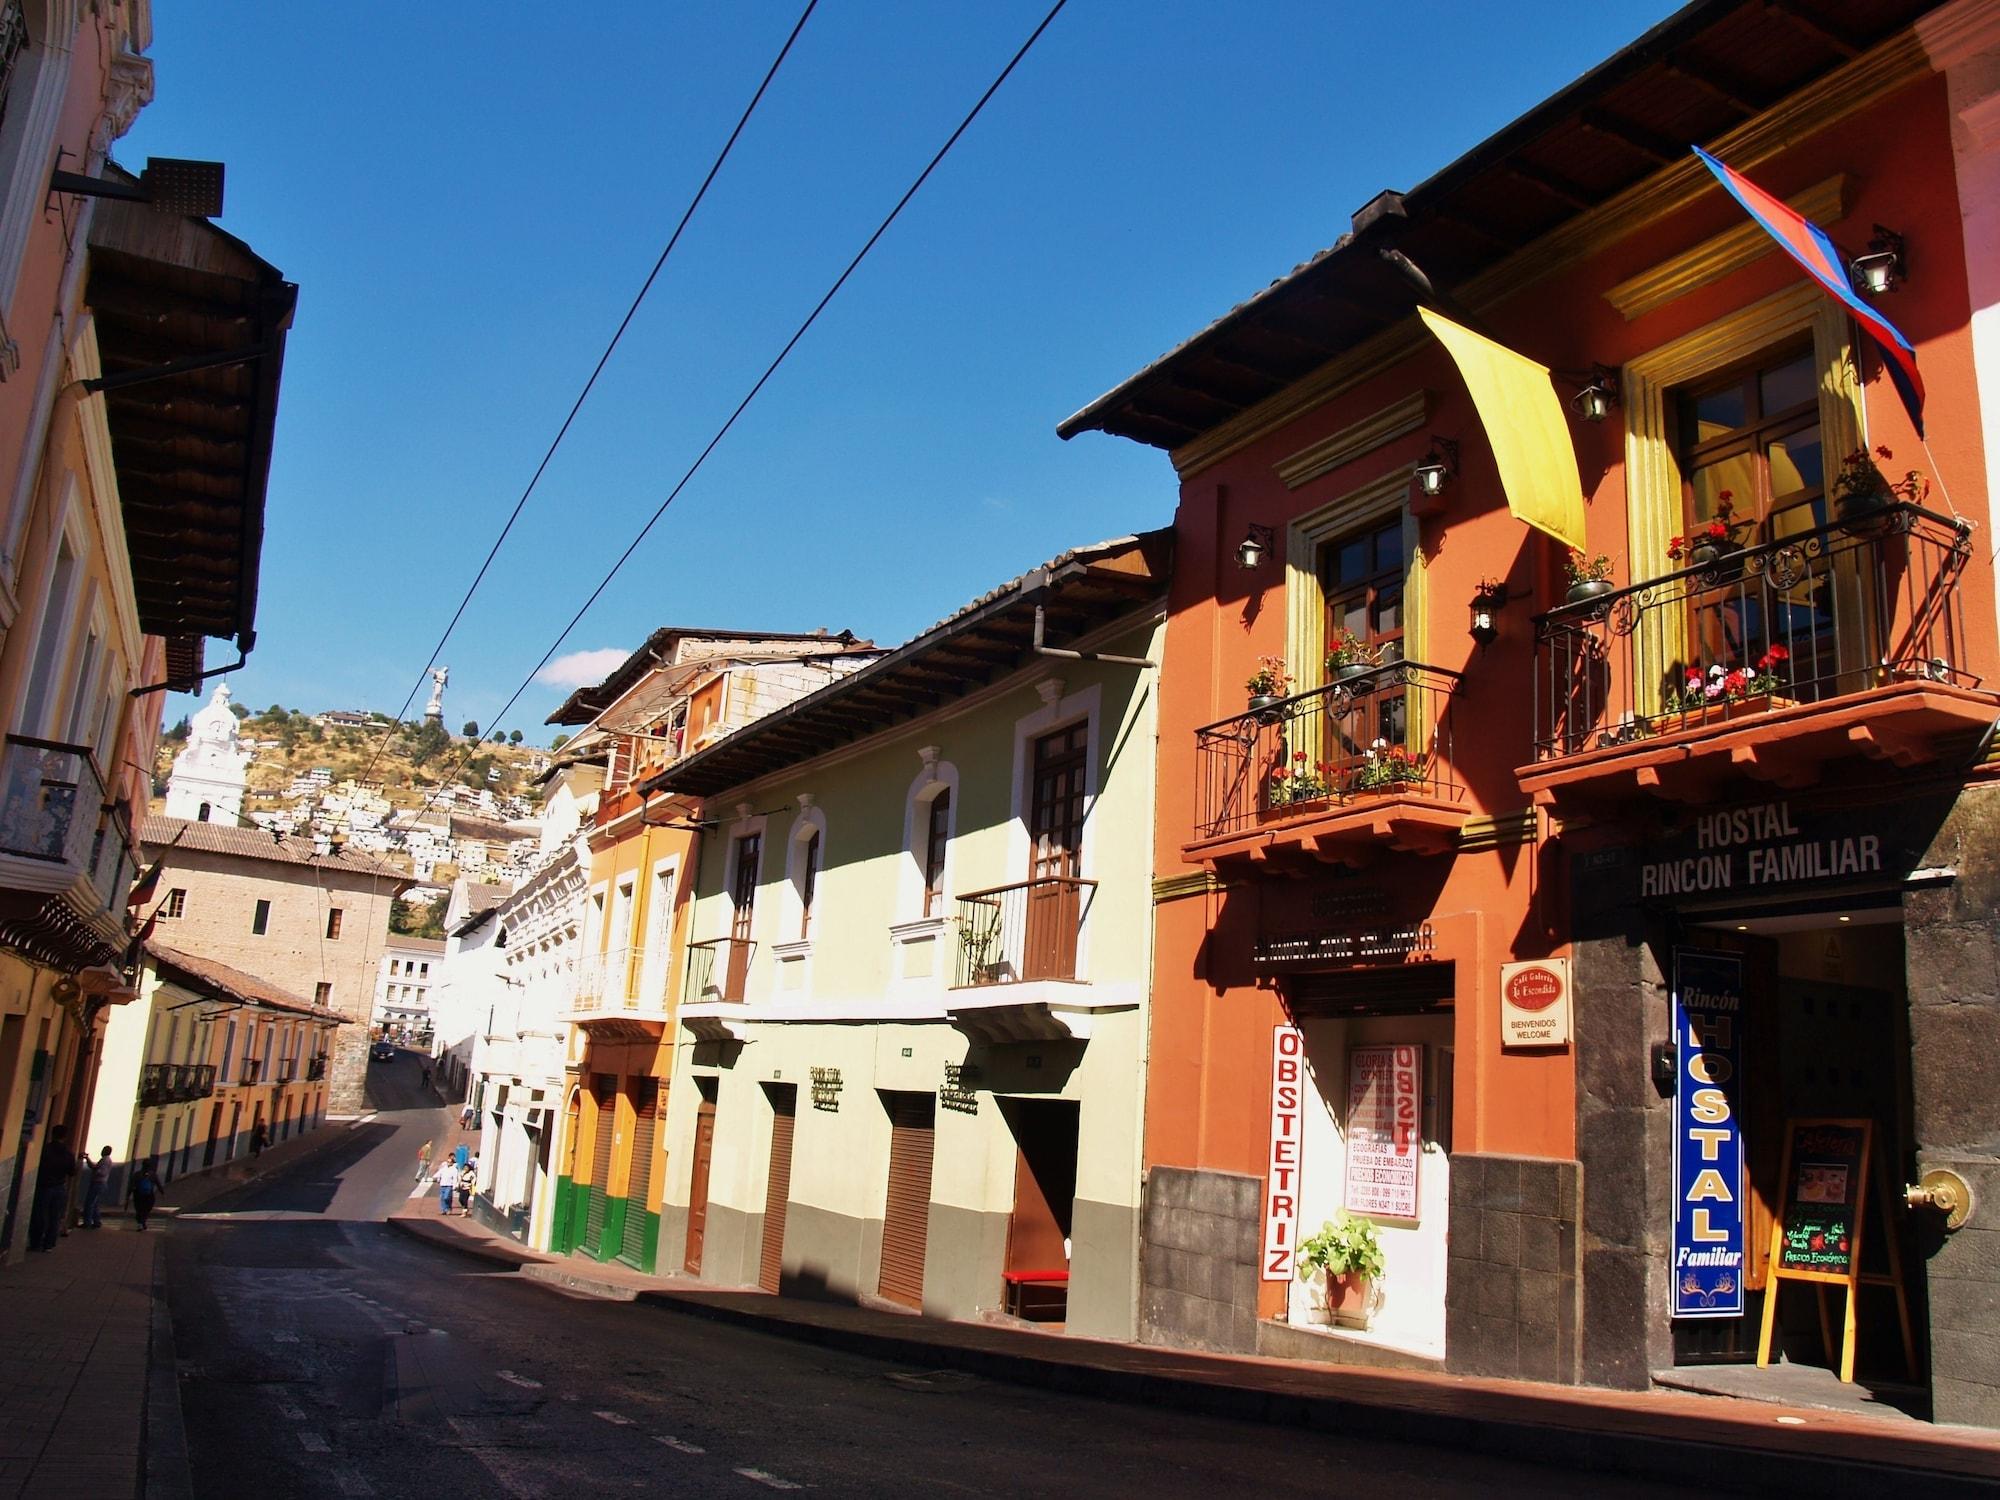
(743, 405)
(583, 395)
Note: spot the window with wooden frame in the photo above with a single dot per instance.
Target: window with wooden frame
(334, 916)
(1750, 450)
(260, 919)
(936, 839)
(1362, 574)
(175, 904)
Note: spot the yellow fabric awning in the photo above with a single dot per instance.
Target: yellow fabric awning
(1525, 426)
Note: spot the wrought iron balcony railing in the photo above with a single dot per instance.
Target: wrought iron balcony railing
(719, 969)
(52, 802)
(155, 1083)
(316, 1069)
(1382, 730)
(1819, 614)
(175, 1083)
(1018, 932)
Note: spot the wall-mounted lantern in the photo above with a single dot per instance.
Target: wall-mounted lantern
(1598, 395)
(1257, 544)
(1881, 268)
(1487, 602)
(1437, 469)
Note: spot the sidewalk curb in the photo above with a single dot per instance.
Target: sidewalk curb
(1531, 1435)
(165, 1472)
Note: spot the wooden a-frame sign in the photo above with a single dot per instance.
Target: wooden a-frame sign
(1816, 1235)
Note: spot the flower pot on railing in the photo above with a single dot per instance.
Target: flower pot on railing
(1267, 706)
(1347, 671)
(1586, 589)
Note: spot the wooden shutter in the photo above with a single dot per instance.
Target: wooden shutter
(777, 1185)
(639, 1180)
(704, 1153)
(906, 1221)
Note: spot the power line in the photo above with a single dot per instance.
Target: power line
(583, 395)
(741, 406)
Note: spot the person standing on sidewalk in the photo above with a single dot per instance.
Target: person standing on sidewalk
(96, 1175)
(447, 1178)
(468, 1179)
(145, 1192)
(52, 1185)
(259, 1139)
(424, 1159)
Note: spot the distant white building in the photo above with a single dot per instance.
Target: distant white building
(410, 965)
(209, 775)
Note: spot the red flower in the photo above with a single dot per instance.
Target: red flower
(1298, 755)
(1883, 452)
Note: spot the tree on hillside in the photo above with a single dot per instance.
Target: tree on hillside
(424, 919)
(427, 741)
(181, 730)
(471, 729)
(558, 742)
(513, 736)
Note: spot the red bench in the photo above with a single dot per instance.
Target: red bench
(1038, 1296)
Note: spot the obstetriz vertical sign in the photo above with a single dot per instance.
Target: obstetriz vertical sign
(1708, 1262)
(1281, 1171)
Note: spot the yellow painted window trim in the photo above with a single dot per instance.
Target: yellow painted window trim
(1653, 476)
(1305, 601)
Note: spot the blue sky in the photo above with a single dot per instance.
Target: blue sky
(469, 197)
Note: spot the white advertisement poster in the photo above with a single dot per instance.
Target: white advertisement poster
(1384, 1129)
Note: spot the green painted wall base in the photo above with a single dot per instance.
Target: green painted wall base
(649, 1227)
(612, 1241)
(566, 1228)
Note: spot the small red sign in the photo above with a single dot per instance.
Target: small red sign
(1534, 988)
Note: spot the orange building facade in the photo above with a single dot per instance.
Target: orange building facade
(1477, 911)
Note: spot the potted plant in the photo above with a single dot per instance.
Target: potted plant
(1704, 548)
(1348, 655)
(1385, 766)
(1861, 491)
(1268, 684)
(1304, 780)
(1729, 692)
(1589, 577)
(1341, 1262)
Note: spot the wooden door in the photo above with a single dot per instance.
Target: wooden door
(906, 1220)
(214, 1135)
(704, 1153)
(1055, 822)
(638, 1248)
(777, 1184)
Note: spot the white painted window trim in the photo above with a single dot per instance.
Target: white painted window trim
(811, 819)
(69, 529)
(938, 776)
(1058, 711)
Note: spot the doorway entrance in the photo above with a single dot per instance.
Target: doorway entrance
(784, 1099)
(906, 1216)
(1036, 1275)
(704, 1154)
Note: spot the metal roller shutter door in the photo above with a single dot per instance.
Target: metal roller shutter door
(600, 1168)
(906, 1221)
(777, 1188)
(639, 1192)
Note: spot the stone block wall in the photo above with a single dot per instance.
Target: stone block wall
(1200, 1233)
(1952, 953)
(1511, 1283)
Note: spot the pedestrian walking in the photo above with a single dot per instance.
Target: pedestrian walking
(465, 1116)
(424, 1159)
(96, 1175)
(447, 1179)
(52, 1187)
(145, 1191)
(468, 1178)
(260, 1137)
(427, 1077)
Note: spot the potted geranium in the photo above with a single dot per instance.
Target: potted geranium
(1704, 547)
(1861, 491)
(1340, 1263)
(1384, 766)
(1589, 577)
(1733, 690)
(1348, 655)
(1268, 684)
(1304, 780)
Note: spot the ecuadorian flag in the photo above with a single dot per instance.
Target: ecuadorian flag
(1807, 244)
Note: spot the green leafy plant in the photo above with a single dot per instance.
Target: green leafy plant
(1720, 684)
(1346, 649)
(1270, 680)
(1583, 569)
(1305, 781)
(1385, 765)
(1343, 1246)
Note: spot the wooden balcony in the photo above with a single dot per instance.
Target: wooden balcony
(66, 858)
(1772, 664)
(1336, 775)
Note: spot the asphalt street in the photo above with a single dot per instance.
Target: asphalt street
(322, 1354)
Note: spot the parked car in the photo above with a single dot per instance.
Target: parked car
(383, 1053)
